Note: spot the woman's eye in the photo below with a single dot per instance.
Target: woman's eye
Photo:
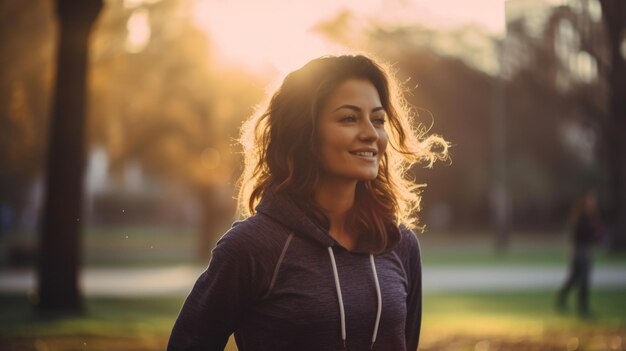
(348, 119)
(378, 121)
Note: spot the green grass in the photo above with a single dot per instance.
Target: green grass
(527, 248)
(161, 246)
(518, 256)
(121, 246)
(510, 311)
(107, 324)
(140, 246)
(128, 317)
(521, 321)
(468, 318)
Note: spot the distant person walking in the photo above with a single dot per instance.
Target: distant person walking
(587, 230)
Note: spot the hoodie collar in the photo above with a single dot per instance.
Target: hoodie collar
(283, 209)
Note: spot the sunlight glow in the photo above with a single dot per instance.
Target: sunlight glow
(131, 4)
(210, 158)
(279, 35)
(138, 27)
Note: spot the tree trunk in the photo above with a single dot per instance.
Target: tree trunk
(59, 245)
(218, 210)
(614, 17)
(617, 150)
(500, 201)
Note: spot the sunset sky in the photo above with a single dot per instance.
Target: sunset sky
(278, 34)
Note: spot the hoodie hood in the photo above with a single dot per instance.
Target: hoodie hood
(280, 207)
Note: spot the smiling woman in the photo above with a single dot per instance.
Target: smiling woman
(351, 133)
(326, 260)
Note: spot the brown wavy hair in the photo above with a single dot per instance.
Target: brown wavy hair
(279, 144)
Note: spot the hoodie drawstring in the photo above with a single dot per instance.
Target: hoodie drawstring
(380, 300)
(342, 314)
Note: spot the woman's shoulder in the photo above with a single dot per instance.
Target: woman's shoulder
(255, 234)
(408, 236)
(409, 244)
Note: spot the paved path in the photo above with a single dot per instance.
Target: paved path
(178, 280)
(513, 278)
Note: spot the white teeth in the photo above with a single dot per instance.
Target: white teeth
(364, 153)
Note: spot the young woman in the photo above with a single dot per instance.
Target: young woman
(326, 260)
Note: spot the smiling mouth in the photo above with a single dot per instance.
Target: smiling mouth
(363, 153)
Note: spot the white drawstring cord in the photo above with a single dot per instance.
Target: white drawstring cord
(341, 311)
(340, 298)
(379, 298)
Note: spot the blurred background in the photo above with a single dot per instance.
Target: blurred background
(530, 93)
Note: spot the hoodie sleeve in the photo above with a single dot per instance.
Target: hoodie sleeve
(413, 266)
(214, 307)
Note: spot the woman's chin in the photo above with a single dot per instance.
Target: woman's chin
(352, 175)
(368, 176)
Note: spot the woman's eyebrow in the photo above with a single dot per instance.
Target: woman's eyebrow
(379, 108)
(358, 109)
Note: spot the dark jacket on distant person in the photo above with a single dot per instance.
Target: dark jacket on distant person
(586, 231)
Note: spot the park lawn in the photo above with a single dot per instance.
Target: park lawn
(526, 257)
(144, 246)
(122, 324)
(452, 321)
(522, 321)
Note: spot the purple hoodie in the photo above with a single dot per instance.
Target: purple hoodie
(280, 282)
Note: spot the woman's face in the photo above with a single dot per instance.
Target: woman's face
(351, 134)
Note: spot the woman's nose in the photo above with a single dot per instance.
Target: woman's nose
(368, 131)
